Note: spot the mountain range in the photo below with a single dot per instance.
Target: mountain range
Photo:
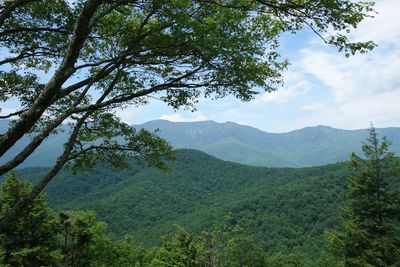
(310, 146)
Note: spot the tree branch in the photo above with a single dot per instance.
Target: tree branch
(6, 13)
(65, 70)
(61, 161)
(128, 97)
(37, 29)
(16, 113)
(35, 143)
(19, 207)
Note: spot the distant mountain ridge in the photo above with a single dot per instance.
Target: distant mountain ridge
(310, 146)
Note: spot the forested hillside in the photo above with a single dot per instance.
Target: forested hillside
(285, 210)
(85, 181)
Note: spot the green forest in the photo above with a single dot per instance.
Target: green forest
(203, 211)
(87, 180)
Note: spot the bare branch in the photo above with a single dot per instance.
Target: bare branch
(16, 113)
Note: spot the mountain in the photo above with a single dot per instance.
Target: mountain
(310, 146)
(284, 209)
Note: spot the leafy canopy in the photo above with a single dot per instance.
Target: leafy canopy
(30, 241)
(80, 61)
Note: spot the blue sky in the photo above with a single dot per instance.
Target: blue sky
(322, 86)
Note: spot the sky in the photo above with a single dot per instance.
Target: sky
(322, 86)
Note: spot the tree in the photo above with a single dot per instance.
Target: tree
(79, 61)
(242, 251)
(371, 233)
(32, 241)
(180, 250)
(42, 237)
(84, 242)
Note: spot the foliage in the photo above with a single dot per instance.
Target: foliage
(223, 246)
(371, 234)
(84, 242)
(78, 239)
(283, 210)
(180, 250)
(30, 241)
(42, 237)
(79, 62)
(277, 221)
(243, 251)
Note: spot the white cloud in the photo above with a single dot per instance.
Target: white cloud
(198, 116)
(355, 77)
(365, 88)
(177, 117)
(173, 117)
(322, 86)
(314, 106)
(382, 110)
(296, 86)
(384, 27)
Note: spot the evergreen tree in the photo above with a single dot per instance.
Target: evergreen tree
(371, 235)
